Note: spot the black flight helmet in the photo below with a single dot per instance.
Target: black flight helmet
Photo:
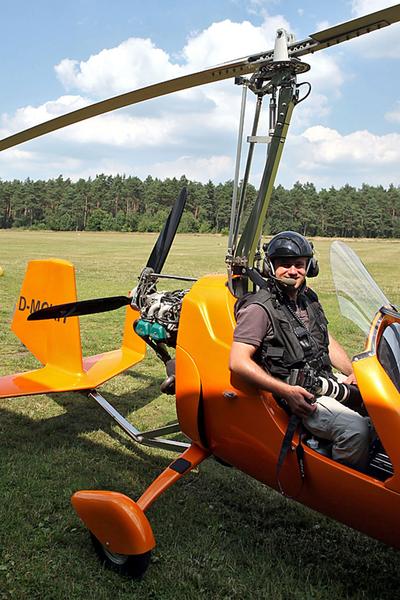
(288, 244)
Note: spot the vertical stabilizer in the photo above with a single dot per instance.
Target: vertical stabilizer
(55, 342)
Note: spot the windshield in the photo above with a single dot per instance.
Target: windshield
(358, 295)
(389, 354)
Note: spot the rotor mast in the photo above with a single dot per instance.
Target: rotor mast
(278, 79)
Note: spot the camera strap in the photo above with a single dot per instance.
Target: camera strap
(294, 424)
(301, 332)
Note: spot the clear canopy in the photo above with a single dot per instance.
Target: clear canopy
(358, 295)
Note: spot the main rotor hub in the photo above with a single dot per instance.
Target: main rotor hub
(294, 66)
(275, 73)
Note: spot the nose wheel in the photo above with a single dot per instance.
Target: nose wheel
(133, 565)
(121, 534)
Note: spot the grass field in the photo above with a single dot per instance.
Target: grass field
(219, 534)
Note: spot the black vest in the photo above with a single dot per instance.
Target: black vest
(293, 346)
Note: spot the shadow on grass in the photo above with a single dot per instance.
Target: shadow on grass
(82, 414)
(229, 531)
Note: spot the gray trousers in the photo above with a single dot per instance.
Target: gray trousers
(350, 433)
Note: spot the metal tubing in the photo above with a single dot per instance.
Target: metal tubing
(161, 276)
(246, 173)
(237, 167)
(272, 111)
(171, 445)
(136, 435)
(118, 418)
(173, 428)
(252, 231)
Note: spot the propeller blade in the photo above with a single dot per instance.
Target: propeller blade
(166, 237)
(77, 309)
(155, 262)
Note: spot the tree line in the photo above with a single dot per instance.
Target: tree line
(126, 203)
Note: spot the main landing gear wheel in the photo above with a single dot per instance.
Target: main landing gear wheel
(133, 565)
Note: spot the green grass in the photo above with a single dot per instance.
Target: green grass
(219, 534)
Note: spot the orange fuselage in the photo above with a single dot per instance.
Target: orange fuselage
(245, 427)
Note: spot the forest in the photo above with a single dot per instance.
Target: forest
(126, 203)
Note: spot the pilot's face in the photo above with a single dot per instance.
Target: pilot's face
(291, 268)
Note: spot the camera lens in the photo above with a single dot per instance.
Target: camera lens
(333, 389)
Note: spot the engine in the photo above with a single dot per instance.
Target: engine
(159, 316)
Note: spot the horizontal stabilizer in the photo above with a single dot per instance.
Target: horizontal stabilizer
(51, 379)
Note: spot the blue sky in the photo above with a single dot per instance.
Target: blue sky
(58, 56)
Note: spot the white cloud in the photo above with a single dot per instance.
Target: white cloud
(217, 168)
(327, 78)
(326, 73)
(226, 40)
(21, 164)
(360, 147)
(16, 154)
(31, 115)
(394, 115)
(135, 63)
(122, 130)
(218, 43)
(168, 125)
(364, 7)
(327, 157)
(49, 165)
(260, 7)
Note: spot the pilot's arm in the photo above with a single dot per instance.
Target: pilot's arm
(241, 363)
(340, 360)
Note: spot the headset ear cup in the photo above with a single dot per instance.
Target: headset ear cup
(313, 269)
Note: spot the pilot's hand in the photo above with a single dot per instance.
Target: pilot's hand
(351, 379)
(300, 401)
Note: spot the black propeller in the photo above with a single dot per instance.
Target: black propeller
(76, 309)
(163, 244)
(156, 262)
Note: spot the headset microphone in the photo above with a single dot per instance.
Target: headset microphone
(286, 281)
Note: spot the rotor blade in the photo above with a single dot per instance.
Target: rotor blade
(346, 31)
(224, 71)
(317, 41)
(163, 244)
(77, 309)
(356, 27)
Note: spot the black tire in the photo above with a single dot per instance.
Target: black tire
(132, 565)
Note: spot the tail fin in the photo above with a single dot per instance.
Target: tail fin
(54, 342)
(57, 343)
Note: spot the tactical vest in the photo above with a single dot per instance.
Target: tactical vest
(293, 346)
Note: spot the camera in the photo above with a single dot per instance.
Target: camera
(325, 386)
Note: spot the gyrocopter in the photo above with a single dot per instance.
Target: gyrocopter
(191, 332)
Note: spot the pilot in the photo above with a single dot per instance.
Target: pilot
(282, 330)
